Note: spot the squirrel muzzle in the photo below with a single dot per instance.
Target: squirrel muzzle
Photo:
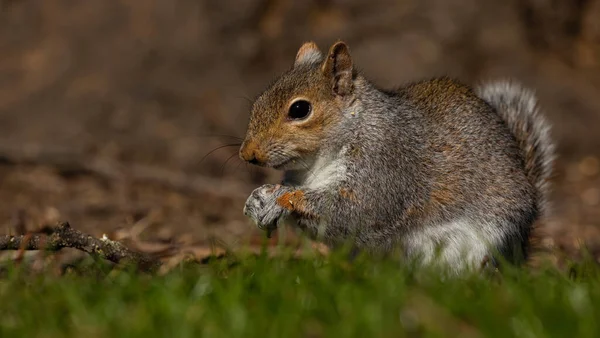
(250, 153)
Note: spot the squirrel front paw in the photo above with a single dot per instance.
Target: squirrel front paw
(263, 209)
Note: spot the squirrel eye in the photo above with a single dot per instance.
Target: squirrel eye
(299, 110)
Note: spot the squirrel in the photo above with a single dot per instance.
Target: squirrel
(447, 173)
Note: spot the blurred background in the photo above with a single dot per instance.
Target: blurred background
(109, 109)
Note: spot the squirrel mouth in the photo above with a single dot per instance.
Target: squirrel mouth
(281, 165)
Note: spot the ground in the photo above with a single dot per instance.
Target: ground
(108, 108)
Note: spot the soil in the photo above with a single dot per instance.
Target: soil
(109, 109)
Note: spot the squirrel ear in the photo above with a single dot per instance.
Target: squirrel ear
(338, 67)
(308, 53)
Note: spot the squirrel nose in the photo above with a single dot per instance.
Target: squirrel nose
(249, 153)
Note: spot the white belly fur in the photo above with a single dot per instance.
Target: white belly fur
(459, 244)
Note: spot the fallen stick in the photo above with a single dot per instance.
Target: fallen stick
(64, 236)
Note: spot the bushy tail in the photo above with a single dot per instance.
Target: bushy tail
(518, 107)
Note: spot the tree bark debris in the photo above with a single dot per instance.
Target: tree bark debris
(64, 236)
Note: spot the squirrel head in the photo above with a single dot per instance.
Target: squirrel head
(290, 120)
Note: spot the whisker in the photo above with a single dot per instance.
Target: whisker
(222, 135)
(238, 166)
(247, 99)
(305, 165)
(246, 177)
(224, 164)
(220, 147)
(299, 159)
(249, 177)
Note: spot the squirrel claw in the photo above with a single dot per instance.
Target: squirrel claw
(270, 231)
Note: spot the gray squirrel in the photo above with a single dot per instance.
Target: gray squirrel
(448, 173)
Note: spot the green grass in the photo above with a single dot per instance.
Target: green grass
(318, 297)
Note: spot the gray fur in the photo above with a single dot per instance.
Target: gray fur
(434, 165)
(518, 106)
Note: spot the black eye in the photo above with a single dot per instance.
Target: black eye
(299, 110)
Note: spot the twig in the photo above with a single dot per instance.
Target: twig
(63, 236)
